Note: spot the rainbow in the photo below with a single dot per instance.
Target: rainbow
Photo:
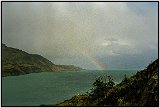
(93, 60)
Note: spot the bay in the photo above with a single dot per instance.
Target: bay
(52, 87)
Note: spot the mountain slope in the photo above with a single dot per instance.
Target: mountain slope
(66, 68)
(141, 89)
(17, 62)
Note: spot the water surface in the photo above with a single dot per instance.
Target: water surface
(51, 87)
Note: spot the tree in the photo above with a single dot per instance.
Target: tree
(101, 86)
(125, 78)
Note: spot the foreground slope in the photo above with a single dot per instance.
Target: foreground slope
(17, 62)
(141, 89)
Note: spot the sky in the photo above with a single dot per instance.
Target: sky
(91, 35)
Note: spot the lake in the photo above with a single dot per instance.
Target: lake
(52, 87)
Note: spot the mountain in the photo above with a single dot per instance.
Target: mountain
(142, 89)
(17, 62)
(66, 68)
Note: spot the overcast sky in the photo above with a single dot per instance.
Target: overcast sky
(92, 35)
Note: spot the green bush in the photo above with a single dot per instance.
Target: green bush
(101, 86)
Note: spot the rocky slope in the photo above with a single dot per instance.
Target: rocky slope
(17, 62)
(141, 89)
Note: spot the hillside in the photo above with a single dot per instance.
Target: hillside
(66, 68)
(17, 62)
(141, 89)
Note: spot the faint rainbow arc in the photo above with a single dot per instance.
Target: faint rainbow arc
(93, 60)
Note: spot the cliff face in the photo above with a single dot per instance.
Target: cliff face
(17, 62)
(141, 89)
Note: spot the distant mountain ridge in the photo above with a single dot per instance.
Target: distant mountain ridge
(17, 62)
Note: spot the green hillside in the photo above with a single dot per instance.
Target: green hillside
(17, 62)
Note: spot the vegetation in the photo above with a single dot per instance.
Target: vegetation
(141, 89)
(18, 62)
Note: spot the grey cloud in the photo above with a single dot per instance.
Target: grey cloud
(62, 31)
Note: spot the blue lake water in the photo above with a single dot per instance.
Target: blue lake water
(52, 87)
